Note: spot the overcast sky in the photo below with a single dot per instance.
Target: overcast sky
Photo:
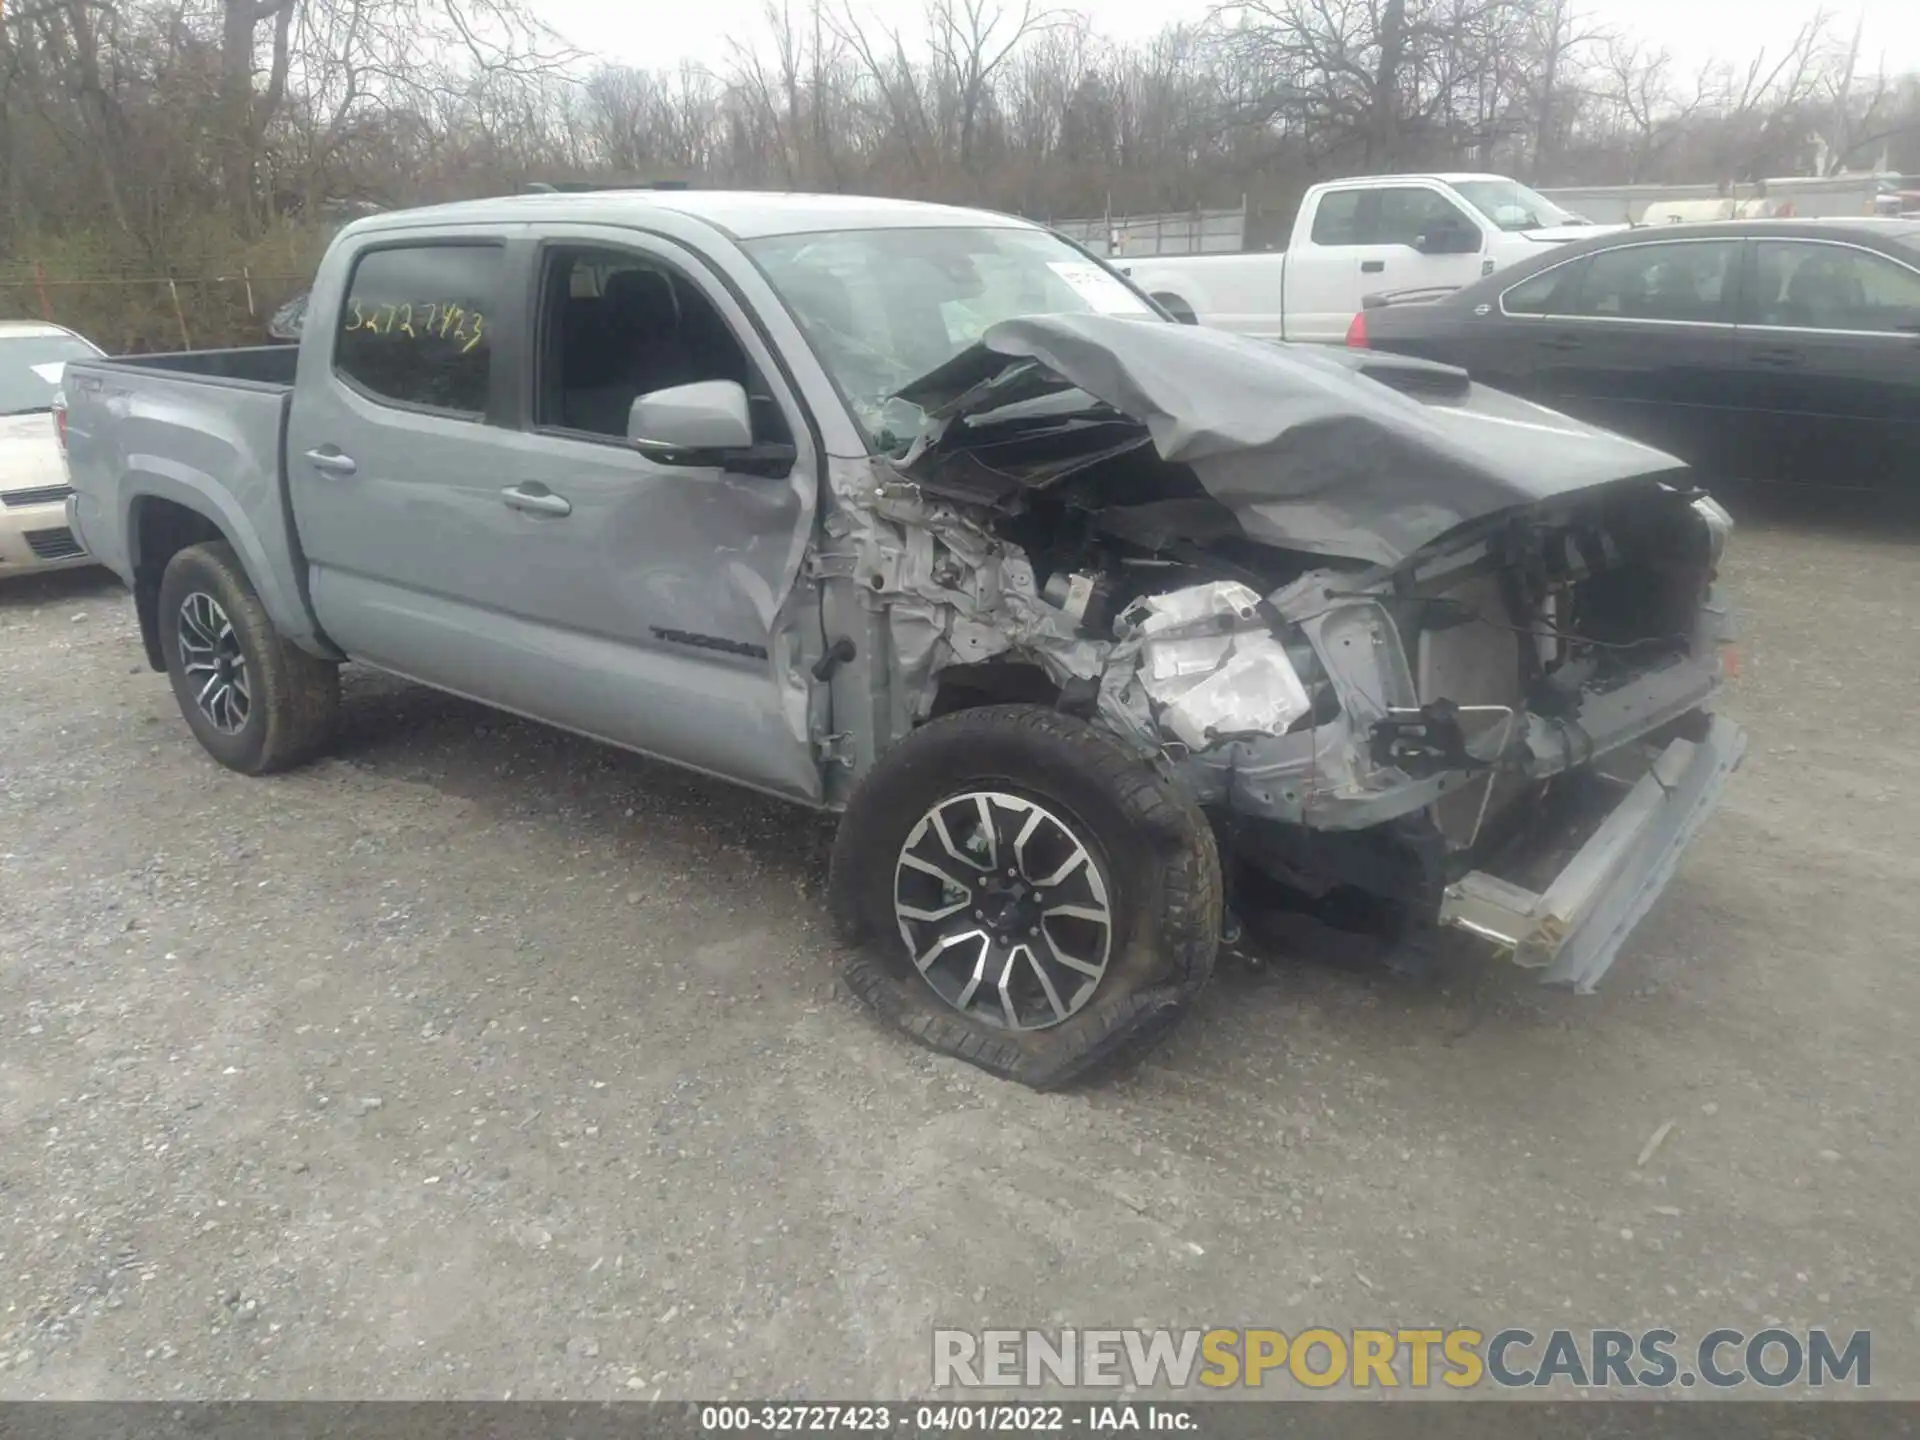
(661, 33)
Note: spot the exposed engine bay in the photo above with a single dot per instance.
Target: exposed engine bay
(1404, 638)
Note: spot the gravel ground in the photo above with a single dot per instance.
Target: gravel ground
(478, 1059)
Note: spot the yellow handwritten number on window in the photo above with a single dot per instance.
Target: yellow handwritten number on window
(452, 321)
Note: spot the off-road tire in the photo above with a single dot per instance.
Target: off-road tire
(1158, 850)
(294, 695)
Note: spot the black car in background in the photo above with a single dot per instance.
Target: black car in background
(1783, 350)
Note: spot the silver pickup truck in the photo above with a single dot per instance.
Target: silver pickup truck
(1100, 632)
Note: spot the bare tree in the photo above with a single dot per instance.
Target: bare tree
(1762, 107)
(971, 41)
(224, 134)
(1560, 40)
(1858, 109)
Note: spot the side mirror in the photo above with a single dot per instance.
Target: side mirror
(708, 423)
(691, 424)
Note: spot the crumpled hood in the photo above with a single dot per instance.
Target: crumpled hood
(1306, 450)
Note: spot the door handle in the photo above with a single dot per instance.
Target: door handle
(1372, 267)
(535, 499)
(1783, 359)
(331, 461)
(1562, 342)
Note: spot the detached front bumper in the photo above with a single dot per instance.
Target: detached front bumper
(1573, 929)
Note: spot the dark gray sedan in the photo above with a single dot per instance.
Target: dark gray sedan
(1776, 350)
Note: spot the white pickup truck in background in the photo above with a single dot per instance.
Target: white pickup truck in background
(1353, 238)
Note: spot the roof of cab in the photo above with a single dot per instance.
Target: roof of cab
(743, 214)
(1443, 177)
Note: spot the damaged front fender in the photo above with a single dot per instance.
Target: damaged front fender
(944, 591)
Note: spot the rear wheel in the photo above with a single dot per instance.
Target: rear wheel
(1026, 893)
(255, 702)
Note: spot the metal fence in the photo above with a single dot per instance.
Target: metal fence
(129, 314)
(1192, 232)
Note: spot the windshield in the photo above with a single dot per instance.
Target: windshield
(30, 369)
(1513, 207)
(884, 307)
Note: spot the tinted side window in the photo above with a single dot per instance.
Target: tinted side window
(1810, 286)
(1337, 221)
(1536, 294)
(417, 325)
(1408, 212)
(1677, 281)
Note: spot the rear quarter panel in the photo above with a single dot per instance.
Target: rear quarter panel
(1434, 332)
(1467, 329)
(142, 432)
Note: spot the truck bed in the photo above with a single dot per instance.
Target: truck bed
(201, 432)
(256, 364)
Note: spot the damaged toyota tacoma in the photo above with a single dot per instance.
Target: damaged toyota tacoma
(1102, 634)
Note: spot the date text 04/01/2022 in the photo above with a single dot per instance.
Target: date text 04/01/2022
(963, 1419)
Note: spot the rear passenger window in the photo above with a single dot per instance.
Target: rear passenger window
(416, 328)
(1534, 295)
(1678, 280)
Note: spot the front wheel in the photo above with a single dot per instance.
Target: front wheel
(254, 702)
(1025, 893)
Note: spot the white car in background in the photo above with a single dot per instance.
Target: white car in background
(34, 534)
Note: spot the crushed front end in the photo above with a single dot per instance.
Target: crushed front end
(1422, 651)
(1513, 737)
